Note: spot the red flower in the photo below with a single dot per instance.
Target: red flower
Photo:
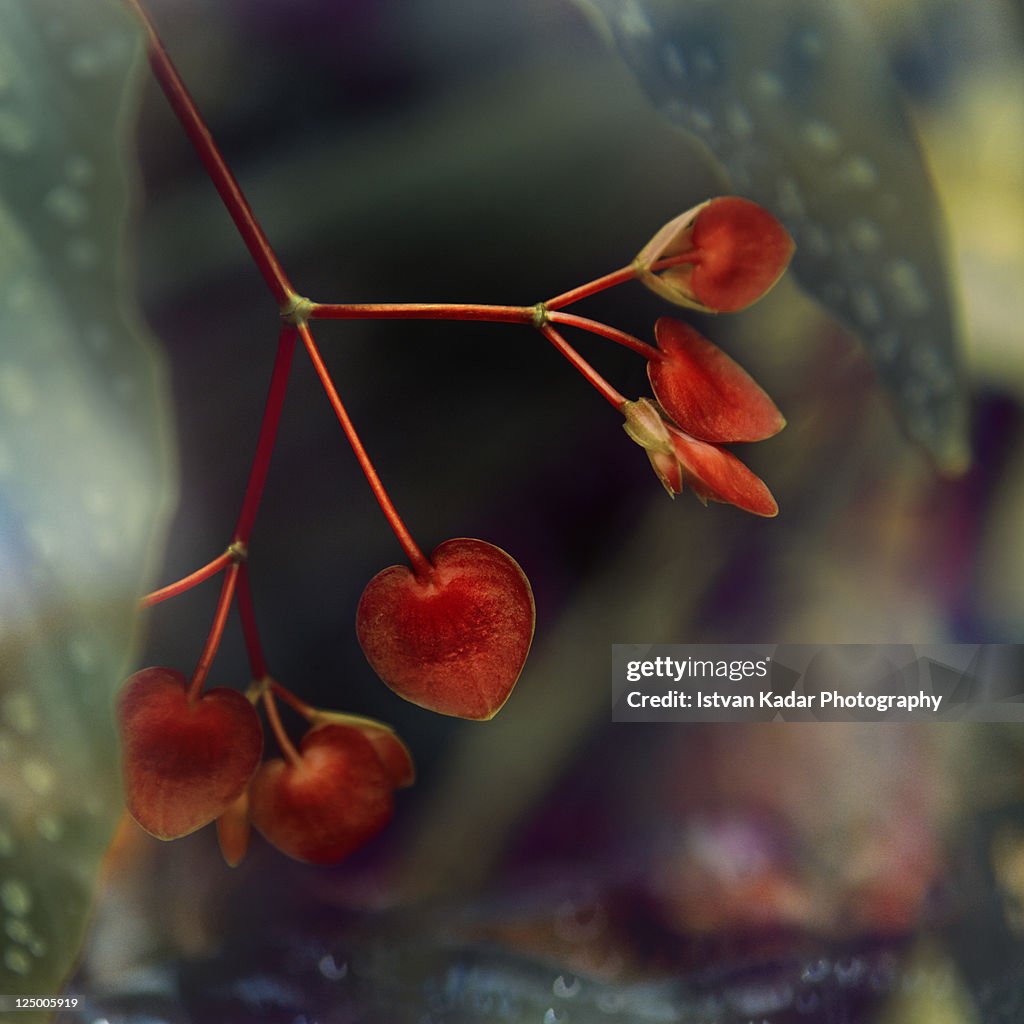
(705, 392)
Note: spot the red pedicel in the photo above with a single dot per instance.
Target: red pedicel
(455, 640)
(329, 803)
(184, 762)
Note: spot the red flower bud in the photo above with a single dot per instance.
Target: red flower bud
(718, 257)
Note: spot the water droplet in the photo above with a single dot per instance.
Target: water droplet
(791, 203)
(814, 238)
(17, 393)
(37, 947)
(672, 58)
(66, 205)
(760, 999)
(821, 137)
(634, 21)
(810, 43)
(331, 969)
(739, 121)
(701, 120)
(85, 61)
(16, 137)
(97, 501)
(17, 960)
(865, 235)
(553, 1016)
(766, 85)
(705, 62)
(858, 172)
(19, 711)
(15, 897)
(566, 986)
(44, 540)
(38, 776)
(18, 930)
(50, 827)
(866, 305)
(610, 1001)
(79, 170)
(815, 970)
(848, 970)
(906, 287)
(82, 253)
(82, 654)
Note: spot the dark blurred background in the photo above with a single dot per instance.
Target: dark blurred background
(549, 866)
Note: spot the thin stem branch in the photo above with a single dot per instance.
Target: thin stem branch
(419, 561)
(421, 311)
(306, 710)
(268, 434)
(250, 631)
(220, 616)
(216, 167)
(193, 579)
(611, 333)
(292, 756)
(603, 387)
(584, 291)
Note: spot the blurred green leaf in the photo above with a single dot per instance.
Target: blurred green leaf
(85, 474)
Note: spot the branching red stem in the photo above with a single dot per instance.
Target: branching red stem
(246, 612)
(216, 167)
(292, 756)
(268, 434)
(421, 311)
(419, 561)
(611, 333)
(603, 387)
(306, 710)
(220, 616)
(186, 583)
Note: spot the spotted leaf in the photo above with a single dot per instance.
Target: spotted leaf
(796, 101)
(83, 471)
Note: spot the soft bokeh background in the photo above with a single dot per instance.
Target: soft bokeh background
(548, 866)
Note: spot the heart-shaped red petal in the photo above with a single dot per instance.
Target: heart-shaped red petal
(742, 251)
(456, 640)
(717, 475)
(337, 798)
(708, 394)
(184, 762)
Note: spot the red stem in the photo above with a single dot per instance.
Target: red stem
(220, 617)
(216, 167)
(268, 434)
(419, 561)
(292, 756)
(306, 710)
(186, 583)
(584, 291)
(611, 333)
(253, 647)
(604, 388)
(421, 311)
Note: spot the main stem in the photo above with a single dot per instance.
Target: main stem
(268, 434)
(216, 167)
(419, 561)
